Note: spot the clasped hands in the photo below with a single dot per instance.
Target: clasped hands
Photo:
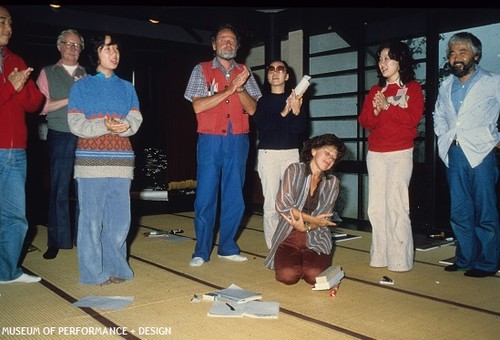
(293, 103)
(379, 103)
(321, 220)
(115, 126)
(238, 83)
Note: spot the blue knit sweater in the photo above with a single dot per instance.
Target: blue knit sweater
(100, 153)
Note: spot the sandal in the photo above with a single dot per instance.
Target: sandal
(107, 282)
(116, 279)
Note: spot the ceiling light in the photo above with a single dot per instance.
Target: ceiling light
(154, 21)
(55, 5)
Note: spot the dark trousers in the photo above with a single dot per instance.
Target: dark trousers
(62, 146)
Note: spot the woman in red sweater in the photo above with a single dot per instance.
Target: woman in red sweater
(391, 112)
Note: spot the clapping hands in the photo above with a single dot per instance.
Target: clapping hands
(293, 103)
(379, 103)
(239, 81)
(19, 78)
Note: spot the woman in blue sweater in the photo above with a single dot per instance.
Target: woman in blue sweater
(103, 111)
(280, 125)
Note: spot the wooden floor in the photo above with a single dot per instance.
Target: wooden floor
(424, 303)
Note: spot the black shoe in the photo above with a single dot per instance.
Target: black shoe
(478, 273)
(51, 253)
(453, 268)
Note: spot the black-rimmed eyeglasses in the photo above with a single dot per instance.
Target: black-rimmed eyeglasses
(280, 68)
(72, 45)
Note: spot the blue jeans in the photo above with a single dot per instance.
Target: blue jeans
(62, 146)
(474, 214)
(13, 223)
(103, 226)
(221, 166)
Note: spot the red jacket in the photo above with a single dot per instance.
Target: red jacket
(14, 105)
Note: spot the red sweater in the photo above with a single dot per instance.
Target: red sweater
(393, 129)
(14, 105)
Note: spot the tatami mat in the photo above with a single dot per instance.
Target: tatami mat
(426, 302)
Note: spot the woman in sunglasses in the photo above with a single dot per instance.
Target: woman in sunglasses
(280, 126)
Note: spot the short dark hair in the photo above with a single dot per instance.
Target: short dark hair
(226, 26)
(319, 142)
(289, 84)
(96, 42)
(400, 52)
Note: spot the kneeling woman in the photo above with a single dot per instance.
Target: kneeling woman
(302, 244)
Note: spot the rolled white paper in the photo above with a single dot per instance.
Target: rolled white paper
(154, 195)
(302, 85)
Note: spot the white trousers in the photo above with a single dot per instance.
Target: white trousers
(271, 164)
(389, 175)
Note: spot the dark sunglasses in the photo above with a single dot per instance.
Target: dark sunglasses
(276, 69)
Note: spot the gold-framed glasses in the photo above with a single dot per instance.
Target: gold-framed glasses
(279, 68)
(72, 45)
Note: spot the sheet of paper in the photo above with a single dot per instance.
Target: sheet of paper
(253, 309)
(104, 302)
(173, 238)
(262, 309)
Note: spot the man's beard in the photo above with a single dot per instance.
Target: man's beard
(227, 55)
(459, 73)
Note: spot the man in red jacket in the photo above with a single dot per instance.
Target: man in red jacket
(18, 95)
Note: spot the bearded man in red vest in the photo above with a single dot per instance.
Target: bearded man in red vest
(223, 93)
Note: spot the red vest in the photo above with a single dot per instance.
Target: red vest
(216, 120)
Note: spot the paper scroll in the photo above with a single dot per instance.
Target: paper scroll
(302, 86)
